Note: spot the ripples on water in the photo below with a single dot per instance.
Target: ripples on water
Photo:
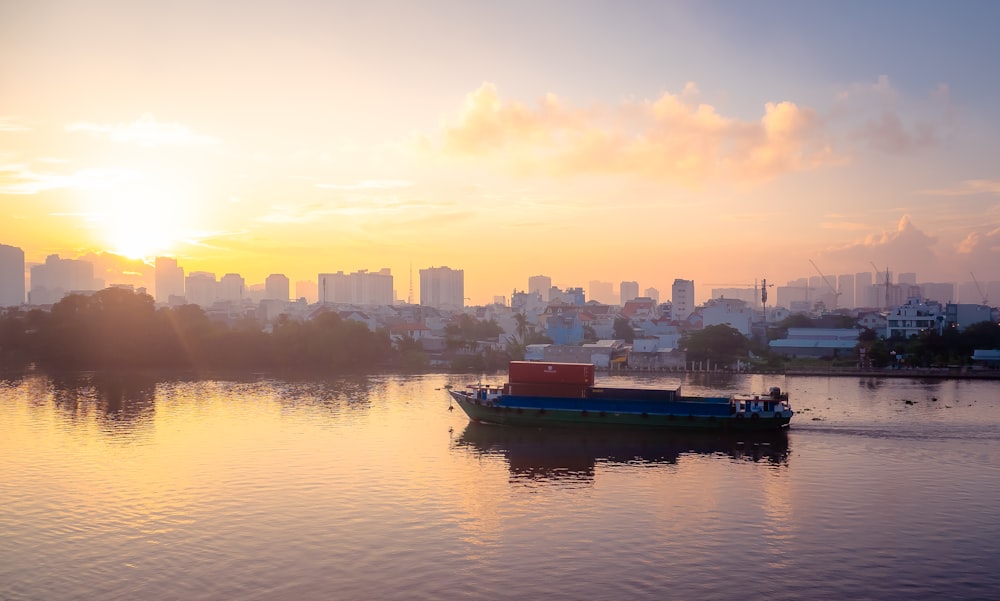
(363, 488)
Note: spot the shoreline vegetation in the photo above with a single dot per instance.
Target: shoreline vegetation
(118, 331)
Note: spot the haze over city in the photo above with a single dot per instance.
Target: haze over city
(716, 141)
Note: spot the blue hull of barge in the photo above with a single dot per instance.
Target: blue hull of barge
(707, 413)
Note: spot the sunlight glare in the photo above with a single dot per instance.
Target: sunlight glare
(142, 217)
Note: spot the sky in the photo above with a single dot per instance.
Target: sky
(722, 142)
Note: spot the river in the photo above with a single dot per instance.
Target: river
(371, 488)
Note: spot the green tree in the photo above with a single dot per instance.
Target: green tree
(719, 344)
(623, 330)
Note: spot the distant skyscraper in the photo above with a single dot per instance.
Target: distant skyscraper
(11, 276)
(59, 277)
(232, 288)
(864, 293)
(276, 287)
(540, 284)
(442, 287)
(845, 286)
(943, 293)
(907, 278)
(334, 288)
(627, 291)
(364, 288)
(308, 290)
(602, 292)
(169, 279)
(200, 288)
(372, 289)
(652, 293)
(682, 299)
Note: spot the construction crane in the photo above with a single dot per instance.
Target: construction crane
(985, 297)
(833, 289)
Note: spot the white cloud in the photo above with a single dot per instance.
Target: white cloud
(12, 124)
(370, 184)
(146, 132)
(20, 179)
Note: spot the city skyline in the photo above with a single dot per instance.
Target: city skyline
(718, 142)
(366, 287)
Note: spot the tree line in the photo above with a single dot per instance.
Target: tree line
(118, 329)
(723, 345)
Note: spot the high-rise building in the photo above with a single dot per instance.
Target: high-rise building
(864, 293)
(169, 279)
(11, 276)
(442, 287)
(747, 295)
(540, 284)
(627, 291)
(57, 277)
(276, 287)
(602, 292)
(652, 293)
(232, 288)
(682, 299)
(200, 288)
(372, 289)
(308, 290)
(362, 288)
(845, 286)
(943, 293)
(334, 288)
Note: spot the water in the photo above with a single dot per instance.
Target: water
(369, 488)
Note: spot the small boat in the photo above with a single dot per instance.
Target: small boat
(565, 394)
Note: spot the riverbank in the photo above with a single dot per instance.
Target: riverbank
(945, 373)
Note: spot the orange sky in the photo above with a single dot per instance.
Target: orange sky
(573, 140)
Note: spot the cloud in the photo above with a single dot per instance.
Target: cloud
(904, 248)
(370, 184)
(673, 137)
(20, 179)
(968, 187)
(12, 124)
(146, 132)
(879, 117)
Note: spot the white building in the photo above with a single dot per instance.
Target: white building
(729, 311)
(442, 288)
(362, 288)
(276, 287)
(682, 299)
(913, 317)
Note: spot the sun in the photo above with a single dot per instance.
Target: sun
(141, 216)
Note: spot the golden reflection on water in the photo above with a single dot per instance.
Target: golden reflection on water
(153, 488)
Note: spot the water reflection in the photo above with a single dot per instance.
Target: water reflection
(535, 453)
(119, 402)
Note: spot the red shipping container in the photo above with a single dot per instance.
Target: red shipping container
(551, 373)
(571, 391)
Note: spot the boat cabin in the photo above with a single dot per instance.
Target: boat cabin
(773, 402)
